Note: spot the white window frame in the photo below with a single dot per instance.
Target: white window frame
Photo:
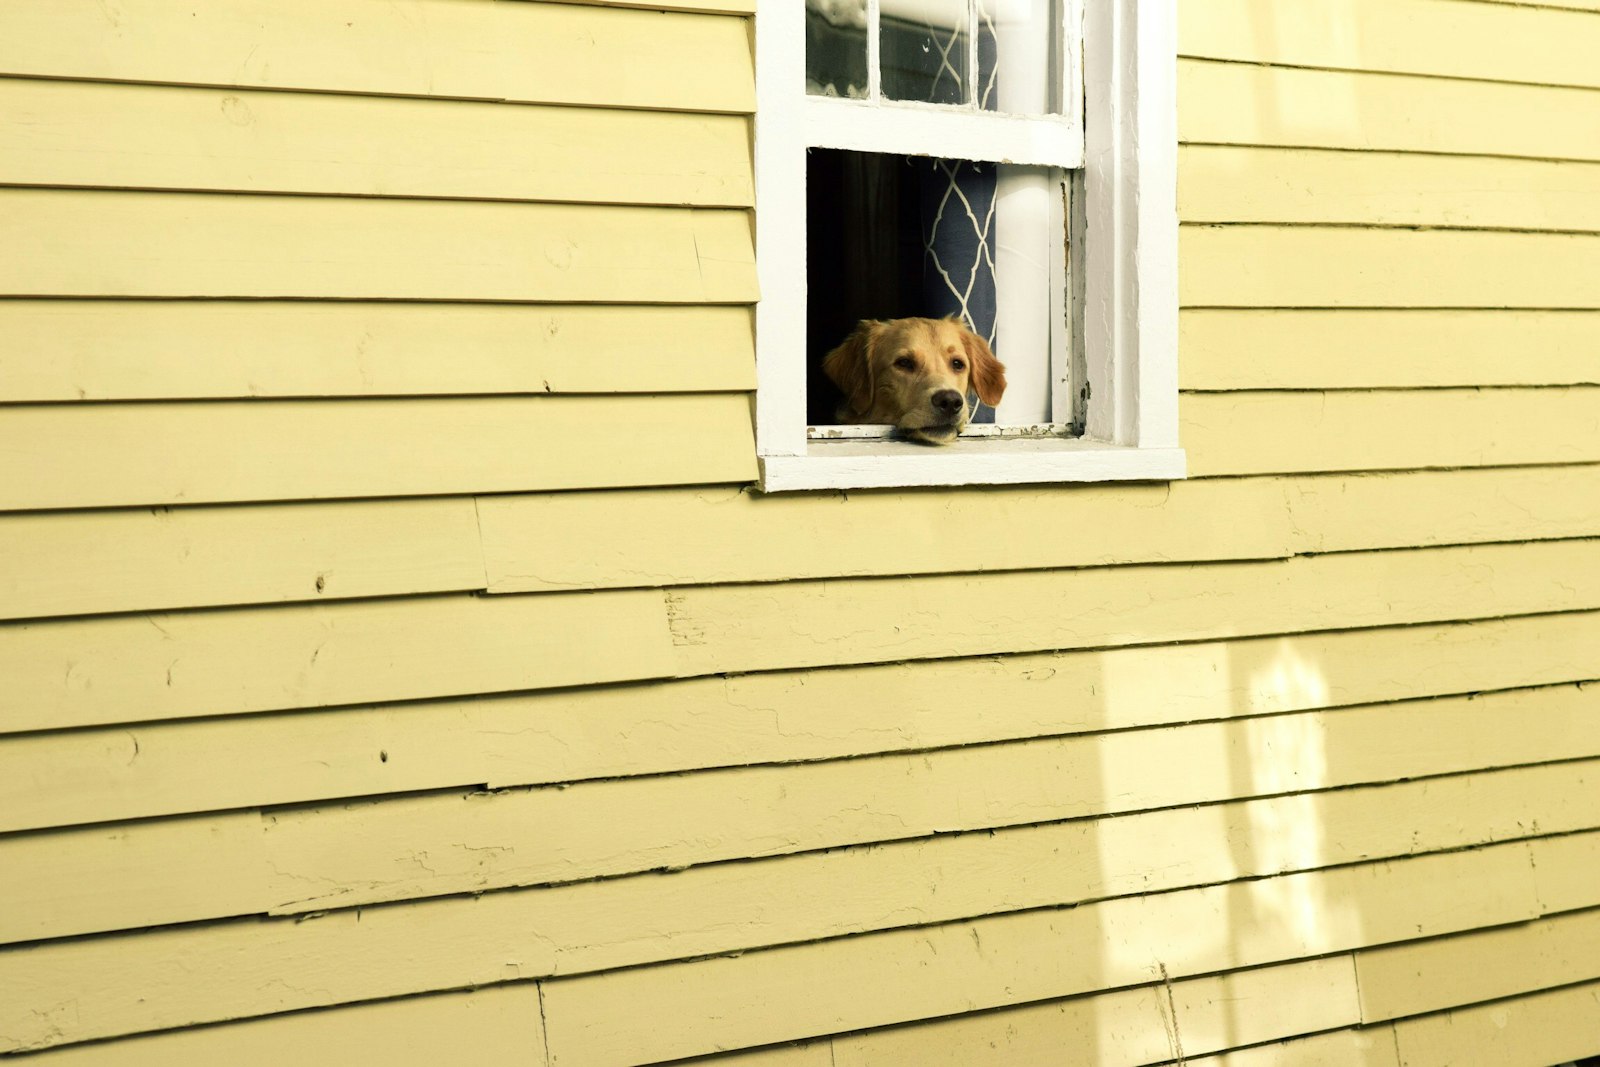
(1129, 260)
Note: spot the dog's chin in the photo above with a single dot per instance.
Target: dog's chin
(941, 434)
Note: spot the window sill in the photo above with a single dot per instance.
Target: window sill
(897, 464)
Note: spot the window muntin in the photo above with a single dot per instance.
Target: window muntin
(987, 55)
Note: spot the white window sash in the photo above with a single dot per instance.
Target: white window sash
(912, 129)
(1128, 270)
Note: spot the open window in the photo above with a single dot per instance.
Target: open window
(1008, 163)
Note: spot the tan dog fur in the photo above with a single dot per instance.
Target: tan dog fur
(903, 372)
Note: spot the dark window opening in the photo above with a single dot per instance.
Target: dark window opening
(893, 237)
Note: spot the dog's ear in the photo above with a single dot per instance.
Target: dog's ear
(850, 366)
(988, 373)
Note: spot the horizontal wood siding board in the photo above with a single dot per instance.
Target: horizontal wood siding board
(383, 954)
(1564, 870)
(122, 244)
(1456, 40)
(1145, 1024)
(368, 852)
(111, 455)
(805, 1054)
(91, 777)
(365, 852)
(1336, 267)
(139, 669)
(1402, 980)
(1532, 1031)
(541, 52)
(193, 974)
(669, 537)
(695, 536)
(140, 771)
(499, 1025)
(1242, 104)
(812, 624)
(1226, 184)
(137, 559)
(131, 668)
(143, 559)
(1365, 511)
(60, 133)
(70, 350)
(731, 7)
(188, 557)
(905, 975)
(1575, 5)
(1371, 1047)
(1230, 349)
(1281, 432)
(52, 884)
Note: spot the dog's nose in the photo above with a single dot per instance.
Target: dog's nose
(947, 401)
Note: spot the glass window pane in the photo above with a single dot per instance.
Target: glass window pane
(836, 48)
(924, 51)
(1019, 56)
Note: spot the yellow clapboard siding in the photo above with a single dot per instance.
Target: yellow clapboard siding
(353, 956)
(138, 668)
(651, 1013)
(732, 7)
(1354, 349)
(181, 976)
(1565, 872)
(500, 1025)
(154, 137)
(1236, 103)
(1147, 1024)
(1225, 1011)
(1400, 980)
(1461, 40)
(1118, 1029)
(54, 883)
(362, 853)
(365, 852)
(1363, 511)
(675, 537)
(150, 559)
(213, 764)
(1230, 184)
(543, 52)
(170, 350)
(107, 455)
(1534, 1031)
(666, 537)
(1273, 432)
(815, 1054)
(1347, 1048)
(93, 243)
(1128, 1026)
(1577, 5)
(811, 624)
(1290, 266)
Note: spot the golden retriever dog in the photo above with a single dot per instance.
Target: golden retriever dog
(914, 374)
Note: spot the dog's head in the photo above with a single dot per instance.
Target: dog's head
(915, 374)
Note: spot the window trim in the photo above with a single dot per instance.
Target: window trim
(1129, 266)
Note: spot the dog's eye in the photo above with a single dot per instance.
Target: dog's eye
(906, 363)
(958, 364)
